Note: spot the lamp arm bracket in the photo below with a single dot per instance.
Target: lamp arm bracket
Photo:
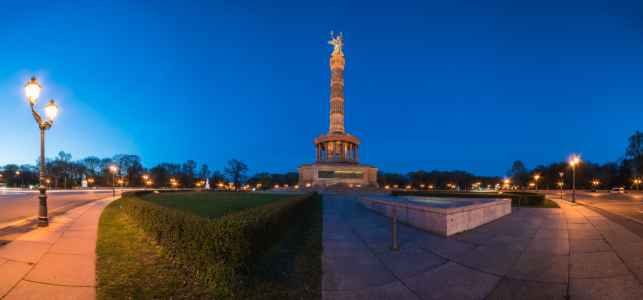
(36, 116)
(45, 125)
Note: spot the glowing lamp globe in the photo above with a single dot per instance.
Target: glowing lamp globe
(33, 90)
(52, 110)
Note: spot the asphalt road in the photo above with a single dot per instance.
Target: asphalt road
(16, 204)
(630, 206)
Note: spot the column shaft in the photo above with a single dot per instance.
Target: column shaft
(356, 153)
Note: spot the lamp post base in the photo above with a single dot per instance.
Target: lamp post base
(43, 221)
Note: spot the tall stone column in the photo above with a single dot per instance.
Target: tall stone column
(343, 150)
(337, 94)
(356, 155)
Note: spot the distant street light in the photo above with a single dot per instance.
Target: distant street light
(537, 176)
(33, 90)
(145, 181)
(91, 180)
(113, 180)
(637, 182)
(574, 162)
(22, 179)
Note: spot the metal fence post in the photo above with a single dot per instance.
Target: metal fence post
(395, 248)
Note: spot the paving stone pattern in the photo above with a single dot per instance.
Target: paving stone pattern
(533, 253)
(55, 262)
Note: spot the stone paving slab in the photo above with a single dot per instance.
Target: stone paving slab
(527, 290)
(11, 273)
(508, 242)
(530, 254)
(548, 246)
(406, 263)
(33, 290)
(354, 272)
(452, 281)
(54, 262)
(393, 290)
(491, 260)
(623, 287)
(596, 265)
(589, 246)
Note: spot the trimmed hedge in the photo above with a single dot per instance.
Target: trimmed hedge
(218, 249)
(527, 198)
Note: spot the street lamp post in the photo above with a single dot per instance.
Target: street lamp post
(561, 189)
(113, 180)
(537, 176)
(145, 181)
(574, 162)
(22, 184)
(33, 90)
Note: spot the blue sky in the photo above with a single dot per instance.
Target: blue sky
(469, 85)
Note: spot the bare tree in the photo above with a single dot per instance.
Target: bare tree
(635, 151)
(236, 171)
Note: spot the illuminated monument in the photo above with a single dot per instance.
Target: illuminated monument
(336, 162)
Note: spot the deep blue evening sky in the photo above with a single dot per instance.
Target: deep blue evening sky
(428, 84)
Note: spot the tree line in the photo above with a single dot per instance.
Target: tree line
(64, 172)
(625, 171)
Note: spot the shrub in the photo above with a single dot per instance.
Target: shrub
(220, 249)
(527, 198)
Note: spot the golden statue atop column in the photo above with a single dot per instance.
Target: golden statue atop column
(337, 42)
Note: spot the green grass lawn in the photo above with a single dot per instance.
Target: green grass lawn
(211, 204)
(132, 266)
(548, 204)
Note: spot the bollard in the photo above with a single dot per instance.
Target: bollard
(519, 197)
(395, 248)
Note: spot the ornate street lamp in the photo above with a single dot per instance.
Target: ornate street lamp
(33, 90)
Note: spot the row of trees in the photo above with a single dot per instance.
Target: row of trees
(438, 180)
(623, 172)
(64, 172)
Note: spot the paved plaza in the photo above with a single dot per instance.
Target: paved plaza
(533, 253)
(55, 262)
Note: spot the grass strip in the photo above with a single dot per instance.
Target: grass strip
(548, 204)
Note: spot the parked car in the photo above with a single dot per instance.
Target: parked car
(617, 191)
